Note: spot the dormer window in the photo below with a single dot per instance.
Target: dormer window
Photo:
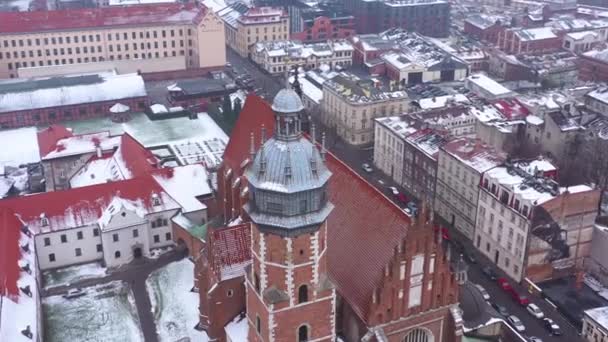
(44, 221)
(155, 200)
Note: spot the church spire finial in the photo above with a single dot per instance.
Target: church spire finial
(323, 146)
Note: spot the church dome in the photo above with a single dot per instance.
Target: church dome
(287, 101)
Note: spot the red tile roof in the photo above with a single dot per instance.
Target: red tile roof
(255, 113)
(48, 138)
(136, 157)
(10, 253)
(512, 109)
(363, 218)
(79, 206)
(113, 16)
(231, 246)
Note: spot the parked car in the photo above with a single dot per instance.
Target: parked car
(504, 284)
(74, 293)
(412, 207)
(501, 309)
(535, 311)
(400, 196)
(520, 299)
(552, 327)
(489, 272)
(534, 339)
(516, 323)
(367, 168)
(483, 292)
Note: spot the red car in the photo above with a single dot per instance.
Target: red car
(522, 300)
(445, 233)
(504, 284)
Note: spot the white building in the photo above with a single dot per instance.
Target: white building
(579, 42)
(275, 56)
(595, 324)
(486, 87)
(597, 100)
(528, 225)
(461, 162)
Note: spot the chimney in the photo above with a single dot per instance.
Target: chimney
(98, 151)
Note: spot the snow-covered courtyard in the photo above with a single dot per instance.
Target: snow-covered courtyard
(106, 313)
(174, 306)
(72, 274)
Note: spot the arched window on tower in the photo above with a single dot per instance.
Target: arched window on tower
(258, 324)
(303, 333)
(303, 294)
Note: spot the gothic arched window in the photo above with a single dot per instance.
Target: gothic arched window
(303, 294)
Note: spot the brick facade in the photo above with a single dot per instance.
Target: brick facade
(323, 28)
(591, 69)
(511, 43)
(489, 34)
(51, 115)
(284, 267)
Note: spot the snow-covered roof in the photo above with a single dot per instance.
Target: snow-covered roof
(208, 147)
(474, 153)
(96, 171)
(309, 90)
(487, 114)
(428, 141)
(534, 120)
(355, 90)
(81, 144)
(184, 184)
(600, 55)
(538, 33)
(442, 101)
(18, 310)
(599, 94)
(36, 93)
(119, 108)
(214, 5)
(118, 204)
(582, 34)
(399, 125)
(23, 149)
(600, 315)
(237, 329)
(136, 2)
(489, 85)
(515, 182)
(297, 50)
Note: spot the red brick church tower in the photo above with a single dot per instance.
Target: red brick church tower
(289, 295)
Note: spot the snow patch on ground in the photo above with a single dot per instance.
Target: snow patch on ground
(72, 274)
(106, 313)
(174, 306)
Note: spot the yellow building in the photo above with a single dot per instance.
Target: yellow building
(186, 34)
(258, 24)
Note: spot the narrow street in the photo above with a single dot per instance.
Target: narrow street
(262, 79)
(135, 274)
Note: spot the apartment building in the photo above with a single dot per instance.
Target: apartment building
(460, 164)
(529, 226)
(595, 324)
(275, 57)
(406, 150)
(350, 105)
(428, 17)
(150, 34)
(257, 24)
(528, 41)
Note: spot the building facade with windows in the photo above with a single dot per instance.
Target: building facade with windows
(140, 32)
(258, 24)
(406, 150)
(350, 105)
(430, 18)
(460, 164)
(595, 324)
(529, 226)
(47, 100)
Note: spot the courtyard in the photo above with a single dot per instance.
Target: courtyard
(104, 313)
